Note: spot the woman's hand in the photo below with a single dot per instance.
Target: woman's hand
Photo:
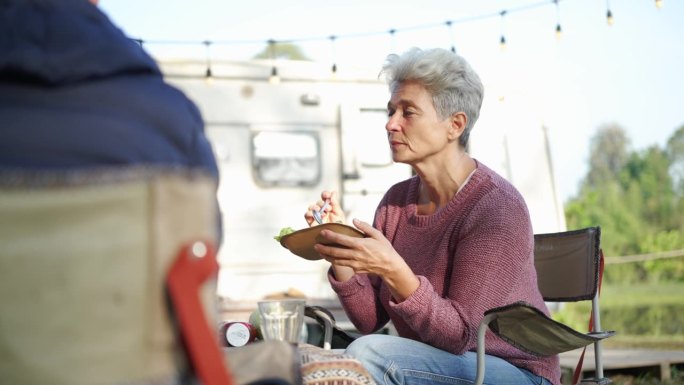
(373, 255)
(332, 213)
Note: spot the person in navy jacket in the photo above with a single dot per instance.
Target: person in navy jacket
(75, 93)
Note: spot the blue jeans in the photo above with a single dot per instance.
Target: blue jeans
(394, 360)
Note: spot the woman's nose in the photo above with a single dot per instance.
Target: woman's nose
(391, 124)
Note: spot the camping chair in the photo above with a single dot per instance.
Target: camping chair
(102, 278)
(331, 336)
(569, 268)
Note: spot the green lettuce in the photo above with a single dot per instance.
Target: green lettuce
(283, 232)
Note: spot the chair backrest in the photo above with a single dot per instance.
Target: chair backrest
(568, 264)
(83, 262)
(568, 268)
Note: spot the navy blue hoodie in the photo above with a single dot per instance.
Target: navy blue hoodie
(75, 92)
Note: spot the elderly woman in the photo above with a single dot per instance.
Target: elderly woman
(447, 244)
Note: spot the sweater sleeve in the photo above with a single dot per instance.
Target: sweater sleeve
(492, 253)
(360, 300)
(359, 295)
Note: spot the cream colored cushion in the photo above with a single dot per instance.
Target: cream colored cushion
(83, 260)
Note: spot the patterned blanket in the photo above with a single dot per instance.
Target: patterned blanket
(331, 367)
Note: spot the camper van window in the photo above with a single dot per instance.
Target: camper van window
(286, 158)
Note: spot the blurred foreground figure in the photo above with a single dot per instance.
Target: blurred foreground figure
(105, 175)
(75, 92)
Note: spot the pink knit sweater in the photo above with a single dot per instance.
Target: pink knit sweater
(472, 255)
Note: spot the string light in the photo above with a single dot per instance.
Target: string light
(451, 35)
(274, 78)
(466, 19)
(208, 76)
(334, 61)
(392, 41)
(558, 24)
(502, 41)
(609, 14)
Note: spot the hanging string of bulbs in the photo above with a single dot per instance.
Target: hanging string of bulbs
(274, 78)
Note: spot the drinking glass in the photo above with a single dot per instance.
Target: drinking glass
(282, 319)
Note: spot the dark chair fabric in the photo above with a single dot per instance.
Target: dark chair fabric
(525, 327)
(568, 268)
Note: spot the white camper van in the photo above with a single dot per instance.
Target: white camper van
(280, 143)
(278, 146)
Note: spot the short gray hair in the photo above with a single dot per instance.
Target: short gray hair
(453, 84)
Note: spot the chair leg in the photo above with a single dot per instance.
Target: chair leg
(322, 316)
(598, 358)
(327, 334)
(596, 327)
(481, 332)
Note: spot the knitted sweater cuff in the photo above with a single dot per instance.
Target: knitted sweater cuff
(416, 303)
(350, 287)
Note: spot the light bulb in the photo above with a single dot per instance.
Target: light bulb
(659, 3)
(609, 17)
(208, 77)
(502, 42)
(558, 31)
(274, 79)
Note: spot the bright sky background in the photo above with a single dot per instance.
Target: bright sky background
(630, 73)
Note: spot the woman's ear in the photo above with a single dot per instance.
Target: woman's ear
(458, 121)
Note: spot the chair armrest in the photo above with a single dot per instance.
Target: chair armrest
(530, 330)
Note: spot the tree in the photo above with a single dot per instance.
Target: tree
(675, 153)
(608, 154)
(648, 172)
(281, 51)
(637, 198)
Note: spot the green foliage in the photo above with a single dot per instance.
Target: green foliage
(652, 310)
(609, 153)
(637, 197)
(282, 51)
(667, 269)
(675, 154)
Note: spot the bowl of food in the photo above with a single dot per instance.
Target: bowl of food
(301, 242)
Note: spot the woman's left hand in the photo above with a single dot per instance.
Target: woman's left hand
(373, 255)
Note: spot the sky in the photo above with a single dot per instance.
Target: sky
(630, 73)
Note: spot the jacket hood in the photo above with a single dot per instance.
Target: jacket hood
(57, 42)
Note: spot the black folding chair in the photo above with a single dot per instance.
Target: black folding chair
(569, 269)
